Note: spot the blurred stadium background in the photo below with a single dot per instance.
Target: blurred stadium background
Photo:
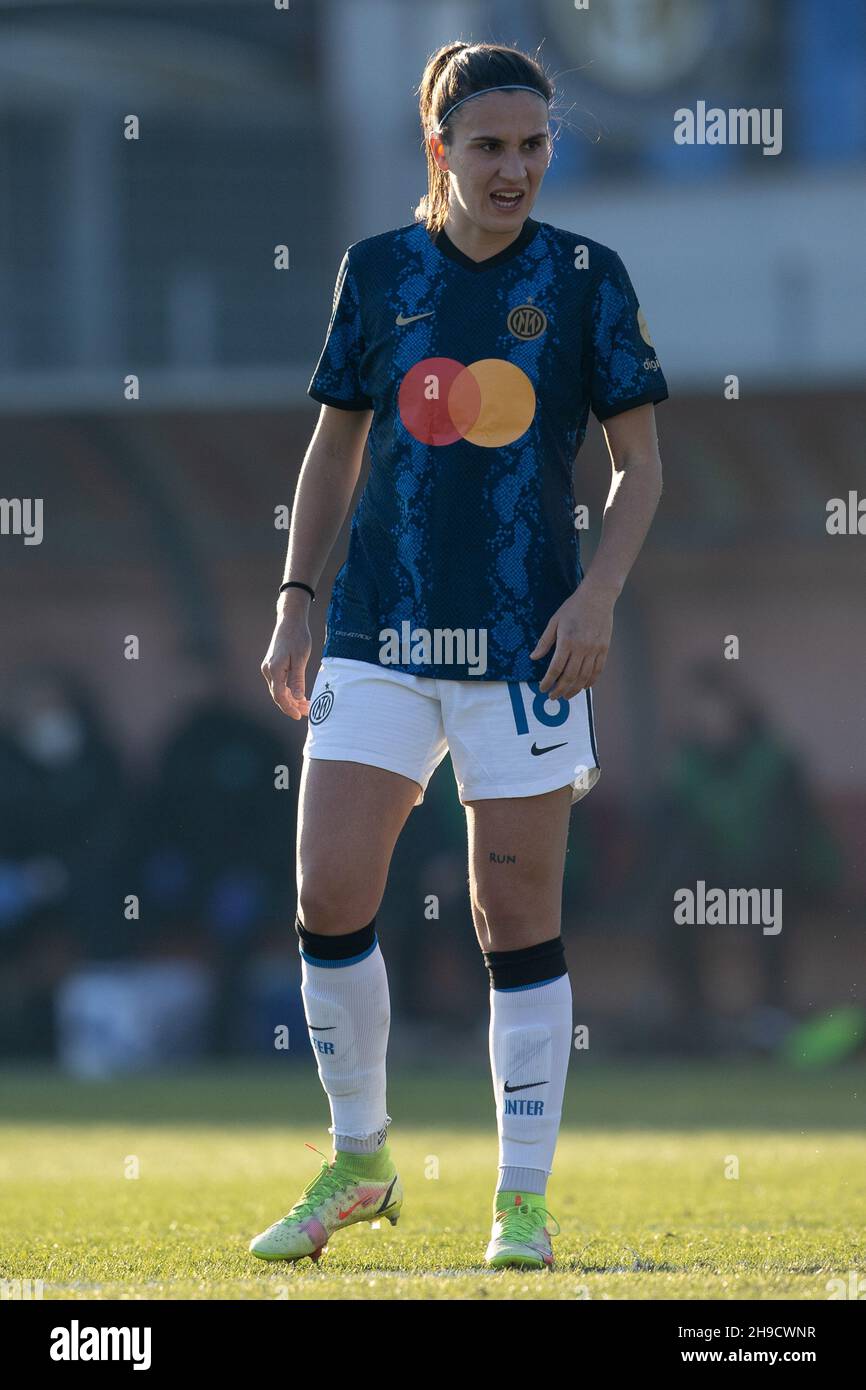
(154, 776)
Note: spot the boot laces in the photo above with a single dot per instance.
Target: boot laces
(520, 1222)
(324, 1185)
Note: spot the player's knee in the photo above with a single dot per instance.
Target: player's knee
(330, 902)
(507, 900)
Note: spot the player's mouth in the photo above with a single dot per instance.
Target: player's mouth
(507, 201)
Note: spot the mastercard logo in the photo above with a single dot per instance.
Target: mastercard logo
(490, 403)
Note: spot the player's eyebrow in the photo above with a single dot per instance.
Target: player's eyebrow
(539, 135)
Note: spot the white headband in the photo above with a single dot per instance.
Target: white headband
(504, 86)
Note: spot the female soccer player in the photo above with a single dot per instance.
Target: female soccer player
(471, 345)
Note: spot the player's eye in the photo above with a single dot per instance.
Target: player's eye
(494, 144)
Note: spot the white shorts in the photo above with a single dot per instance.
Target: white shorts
(505, 737)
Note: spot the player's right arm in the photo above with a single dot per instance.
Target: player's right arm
(328, 478)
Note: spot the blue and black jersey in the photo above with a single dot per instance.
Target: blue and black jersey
(481, 377)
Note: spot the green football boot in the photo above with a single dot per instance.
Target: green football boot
(520, 1238)
(338, 1196)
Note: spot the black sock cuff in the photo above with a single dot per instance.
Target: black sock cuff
(354, 943)
(531, 965)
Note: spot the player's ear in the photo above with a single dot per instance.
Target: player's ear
(437, 146)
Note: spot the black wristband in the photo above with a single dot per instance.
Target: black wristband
(296, 584)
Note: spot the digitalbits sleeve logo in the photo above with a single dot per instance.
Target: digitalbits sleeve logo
(322, 705)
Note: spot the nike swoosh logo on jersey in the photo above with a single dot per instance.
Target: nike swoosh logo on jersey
(314, 1028)
(528, 1087)
(401, 319)
(535, 750)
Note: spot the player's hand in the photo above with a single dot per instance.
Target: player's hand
(285, 664)
(581, 629)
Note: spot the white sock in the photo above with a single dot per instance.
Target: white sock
(348, 1011)
(530, 1044)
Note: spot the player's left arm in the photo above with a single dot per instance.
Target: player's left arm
(580, 629)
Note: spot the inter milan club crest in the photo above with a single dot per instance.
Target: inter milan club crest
(527, 321)
(322, 705)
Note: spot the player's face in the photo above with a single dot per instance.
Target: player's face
(500, 143)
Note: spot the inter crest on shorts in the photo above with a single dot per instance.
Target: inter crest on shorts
(322, 705)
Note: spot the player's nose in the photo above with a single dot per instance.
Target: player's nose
(512, 167)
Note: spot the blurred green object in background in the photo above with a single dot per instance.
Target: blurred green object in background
(828, 1039)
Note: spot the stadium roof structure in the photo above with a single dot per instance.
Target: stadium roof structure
(146, 55)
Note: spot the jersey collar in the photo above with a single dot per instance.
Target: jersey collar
(445, 245)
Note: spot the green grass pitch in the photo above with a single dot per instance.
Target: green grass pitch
(639, 1186)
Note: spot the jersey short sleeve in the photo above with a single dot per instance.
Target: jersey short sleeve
(624, 368)
(336, 380)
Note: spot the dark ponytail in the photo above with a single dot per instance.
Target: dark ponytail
(455, 71)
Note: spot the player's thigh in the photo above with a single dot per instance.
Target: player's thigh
(349, 818)
(517, 849)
